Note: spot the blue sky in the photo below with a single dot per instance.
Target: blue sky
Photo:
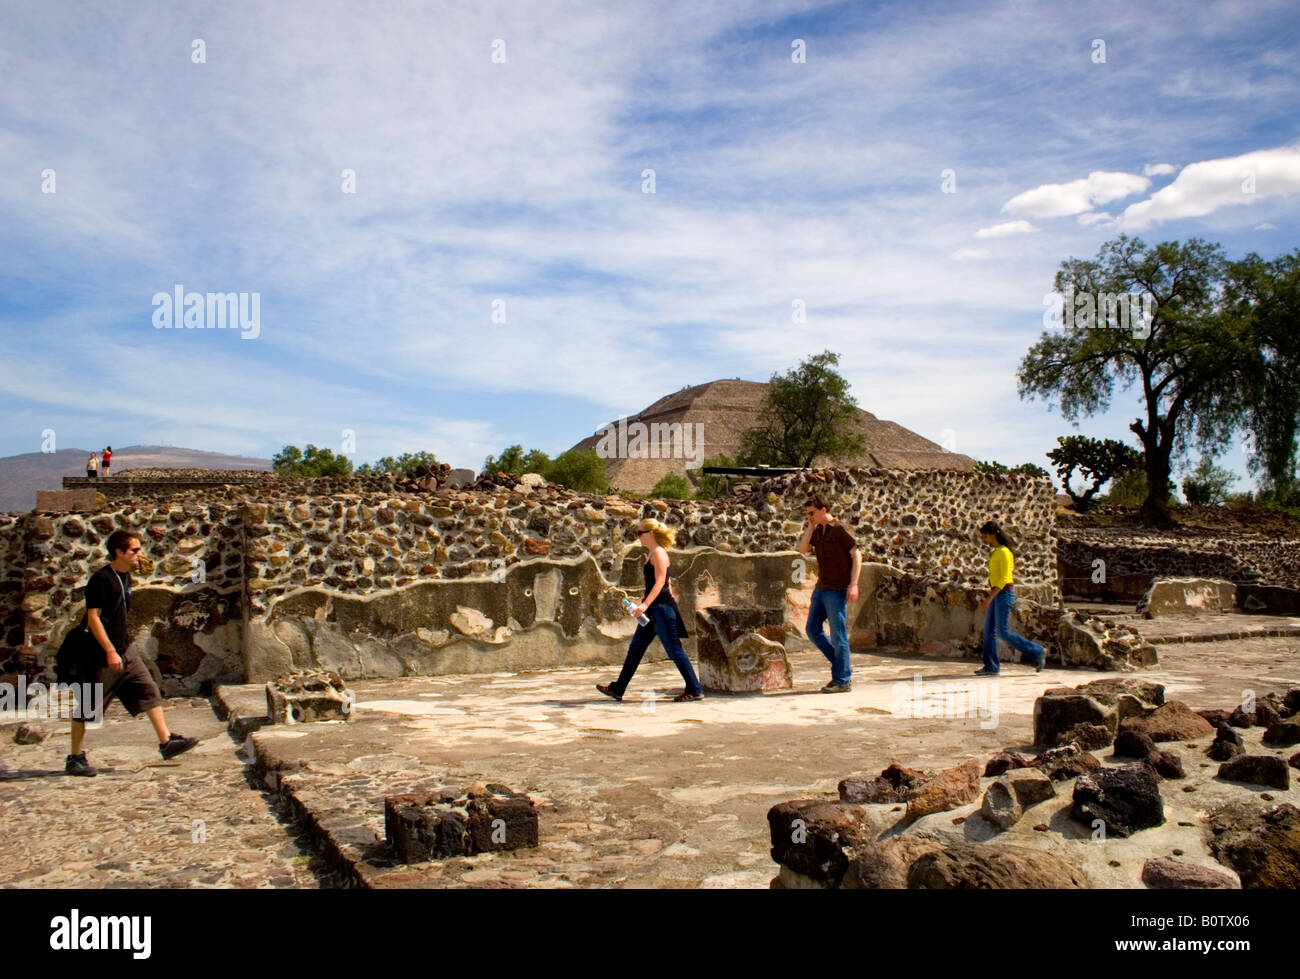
(521, 183)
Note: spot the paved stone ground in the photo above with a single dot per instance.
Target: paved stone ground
(194, 821)
(646, 793)
(1210, 628)
(649, 793)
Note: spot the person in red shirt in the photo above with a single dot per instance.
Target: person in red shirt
(103, 466)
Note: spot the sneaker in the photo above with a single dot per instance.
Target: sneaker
(686, 695)
(77, 765)
(175, 745)
(608, 690)
(1042, 661)
(986, 672)
(837, 687)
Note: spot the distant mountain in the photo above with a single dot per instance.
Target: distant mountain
(22, 475)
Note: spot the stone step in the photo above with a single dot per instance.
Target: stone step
(1209, 628)
(242, 706)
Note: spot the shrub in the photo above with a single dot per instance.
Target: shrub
(407, 464)
(711, 487)
(1207, 484)
(581, 471)
(292, 461)
(671, 487)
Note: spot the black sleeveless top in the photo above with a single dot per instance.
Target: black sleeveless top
(665, 597)
(664, 593)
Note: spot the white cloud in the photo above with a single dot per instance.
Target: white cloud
(1093, 218)
(1077, 196)
(1158, 169)
(964, 254)
(1007, 228)
(1205, 187)
(1265, 226)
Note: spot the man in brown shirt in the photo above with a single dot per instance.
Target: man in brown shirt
(838, 562)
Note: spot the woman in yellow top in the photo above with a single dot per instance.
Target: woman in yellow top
(998, 606)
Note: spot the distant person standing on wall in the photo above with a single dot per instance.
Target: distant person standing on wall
(122, 673)
(665, 620)
(92, 466)
(839, 560)
(997, 608)
(108, 458)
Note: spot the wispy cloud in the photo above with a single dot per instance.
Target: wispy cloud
(1005, 229)
(500, 273)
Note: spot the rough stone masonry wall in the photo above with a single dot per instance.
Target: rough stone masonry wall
(186, 622)
(456, 581)
(349, 575)
(1131, 560)
(12, 540)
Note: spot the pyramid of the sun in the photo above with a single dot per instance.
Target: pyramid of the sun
(719, 413)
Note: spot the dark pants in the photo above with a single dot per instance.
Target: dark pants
(663, 622)
(996, 627)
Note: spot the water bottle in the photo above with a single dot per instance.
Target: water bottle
(642, 618)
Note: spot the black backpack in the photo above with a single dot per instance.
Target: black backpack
(80, 655)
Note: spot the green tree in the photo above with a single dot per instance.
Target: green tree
(407, 464)
(516, 460)
(1098, 461)
(1207, 484)
(1129, 489)
(994, 468)
(711, 487)
(808, 414)
(671, 487)
(292, 461)
(1266, 296)
(1185, 357)
(581, 471)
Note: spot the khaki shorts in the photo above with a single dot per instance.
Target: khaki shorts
(133, 685)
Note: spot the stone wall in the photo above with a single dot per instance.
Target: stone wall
(12, 562)
(352, 576)
(185, 617)
(1132, 560)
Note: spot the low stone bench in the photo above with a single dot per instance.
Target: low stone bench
(308, 697)
(742, 649)
(1188, 596)
(446, 823)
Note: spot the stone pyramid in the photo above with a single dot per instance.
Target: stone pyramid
(720, 412)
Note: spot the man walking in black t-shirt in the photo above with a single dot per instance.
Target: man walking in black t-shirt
(123, 675)
(838, 562)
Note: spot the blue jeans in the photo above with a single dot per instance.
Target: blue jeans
(996, 627)
(832, 605)
(663, 622)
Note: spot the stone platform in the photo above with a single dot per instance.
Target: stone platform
(643, 793)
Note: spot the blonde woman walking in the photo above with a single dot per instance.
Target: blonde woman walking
(665, 620)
